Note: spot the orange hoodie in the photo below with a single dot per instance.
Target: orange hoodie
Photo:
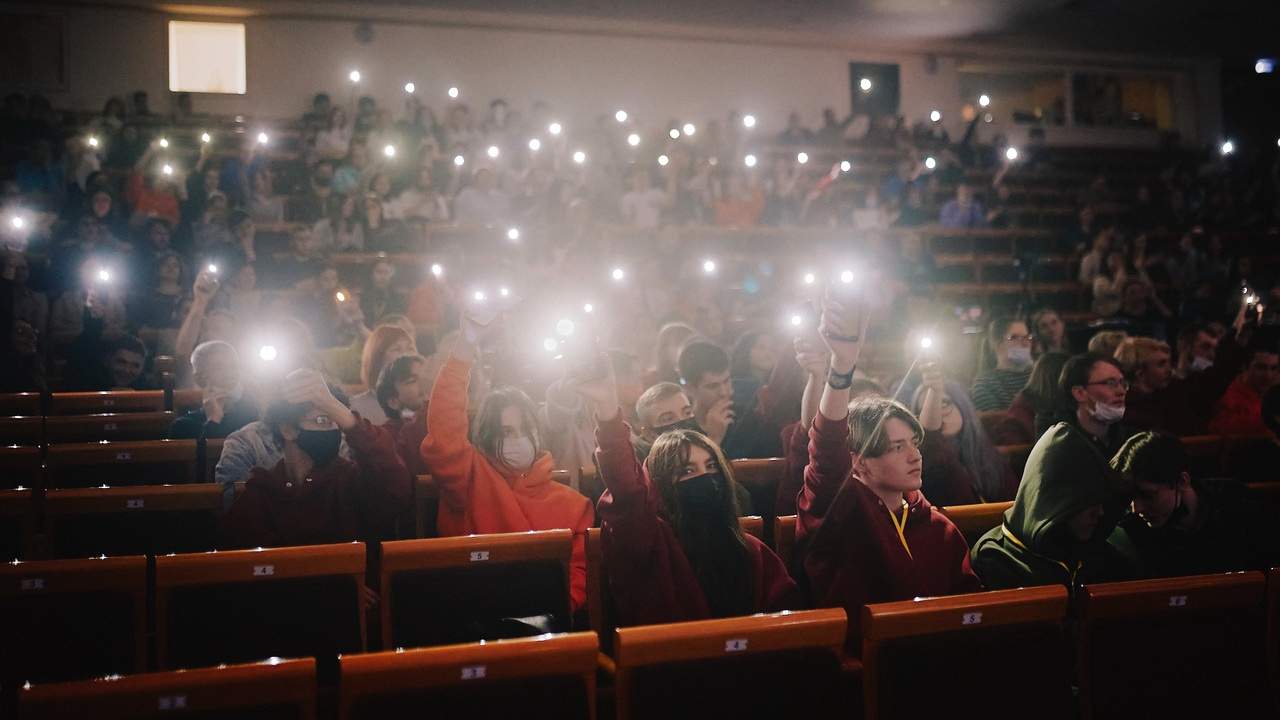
(478, 498)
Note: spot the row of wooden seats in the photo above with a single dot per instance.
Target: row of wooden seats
(114, 463)
(94, 403)
(41, 430)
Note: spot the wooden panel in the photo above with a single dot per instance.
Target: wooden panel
(246, 565)
(142, 498)
(752, 525)
(1171, 596)
(785, 534)
(652, 644)
(22, 429)
(108, 426)
(19, 466)
(19, 404)
(460, 551)
(85, 403)
(957, 612)
(976, 519)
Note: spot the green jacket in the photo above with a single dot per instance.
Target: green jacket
(1065, 474)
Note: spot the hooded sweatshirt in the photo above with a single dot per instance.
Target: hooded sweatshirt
(1065, 474)
(477, 498)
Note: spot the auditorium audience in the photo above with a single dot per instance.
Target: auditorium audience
(1030, 413)
(225, 405)
(1149, 403)
(1093, 393)
(960, 465)
(1009, 341)
(384, 345)
(402, 391)
(1239, 411)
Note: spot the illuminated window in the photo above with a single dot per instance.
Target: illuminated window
(206, 57)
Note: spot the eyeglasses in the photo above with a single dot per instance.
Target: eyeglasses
(947, 407)
(1112, 383)
(1019, 338)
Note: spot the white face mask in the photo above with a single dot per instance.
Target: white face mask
(1107, 414)
(1020, 356)
(407, 415)
(1200, 364)
(518, 452)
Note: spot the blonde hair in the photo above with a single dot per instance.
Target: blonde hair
(374, 357)
(1134, 352)
(1106, 342)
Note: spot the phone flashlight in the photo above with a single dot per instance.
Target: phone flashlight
(409, 88)
(709, 266)
(437, 269)
(205, 137)
(535, 144)
(93, 141)
(262, 138)
(459, 160)
(554, 128)
(802, 158)
(213, 269)
(389, 151)
(340, 296)
(453, 92)
(513, 234)
(104, 276)
(167, 169)
(618, 274)
(267, 352)
(492, 151)
(164, 143)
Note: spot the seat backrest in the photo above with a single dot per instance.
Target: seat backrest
(115, 401)
(1018, 634)
(140, 462)
(1184, 647)
(19, 404)
(778, 665)
(209, 453)
(752, 525)
(784, 533)
(548, 677)
(19, 466)
(138, 520)
(761, 478)
(590, 484)
(109, 426)
(441, 591)
(277, 690)
(1267, 491)
(973, 521)
(1206, 454)
(72, 619)
(18, 524)
(246, 605)
(187, 399)
(602, 614)
(25, 430)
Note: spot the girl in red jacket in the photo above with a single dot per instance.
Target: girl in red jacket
(672, 544)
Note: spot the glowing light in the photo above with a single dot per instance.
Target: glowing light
(987, 118)
(926, 343)
(749, 121)
(513, 234)
(355, 76)
(749, 161)
(865, 84)
(267, 353)
(674, 134)
(204, 137)
(554, 128)
(492, 151)
(620, 116)
(802, 158)
(479, 296)
(935, 116)
(984, 100)
(212, 268)
(709, 266)
(1264, 66)
(564, 328)
(846, 276)
(930, 163)
(809, 279)
(579, 157)
(587, 308)
(1228, 147)
(549, 344)
(689, 129)
(633, 139)
(453, 92)
(535, 144)
(1011, 153)
(618, 274)
(18, 222)
(459, 160)
(504, 292)
(663, 160)
(796, 319)
(93, 142)
(164, 143)
(104, 276)
(167, 169)
(437, 269)
(340, 296)
(262, 138)
(845, 166)
(410, 87)
(389, 151)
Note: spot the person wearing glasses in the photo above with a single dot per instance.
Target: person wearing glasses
(1094, 389)
(961, 466)
(1009, 341)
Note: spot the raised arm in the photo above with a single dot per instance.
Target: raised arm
(446, 450)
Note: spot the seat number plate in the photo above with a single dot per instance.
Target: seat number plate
(32, 584)
(264, 570)
(172, 702)
(1177, 601)
(973, 618)
(479, 556)
(737, 645)
(472, 672)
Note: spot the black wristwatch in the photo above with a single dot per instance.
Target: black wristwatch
(840, 381)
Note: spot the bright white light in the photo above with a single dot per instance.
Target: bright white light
(535, 144)
(459, 160)
(1228, 147)
(549, 344)
(802, 158)
(104, 276)
(809, 279)
(164, 143)
(865, 84)
(749, 121)
(340, 296)
(167, 169)
(675, 134)
(93, 141)
(504, 292)
(689, 129)
(663, 160)
(930, 163)
(620, 116)
(796, 319)
(579, 157)
(618, 274)
(846, 276)
(749, 160)
(437, 269)
(204, 137)
(926, 343)
(709, 266)
(212, 268)
(564, 328)
(1264, 66)
(554, 128)
(935, 116)
(18, 222)
(479, 296)
(389, 151)
(267, 352)
(355, 76)
(845, 166)
(513, 234)
(262, 138)
(984, 100)
(1011, 153)
(410, 87)
(453, 92)
(987, 118)
(633, 139)
(492, 151)
(587, 308)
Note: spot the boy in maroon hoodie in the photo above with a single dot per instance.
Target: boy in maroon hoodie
(868, 534)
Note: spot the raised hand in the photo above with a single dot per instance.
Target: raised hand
(602, 392)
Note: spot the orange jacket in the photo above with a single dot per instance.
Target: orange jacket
(477, 498)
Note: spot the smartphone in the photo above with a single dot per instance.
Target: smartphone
(484, 309)
(583, 361)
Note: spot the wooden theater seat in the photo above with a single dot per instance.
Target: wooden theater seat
(550, 677)
(1186, 647)
(24, 430)
(19, 404)
(17, 525)
(996, 654)
(1206, 453)
(140, 520)
(19, 466)
(72, 619)
(107, 426)
(449, 590)
(115, 401)
(973, 521)
(759, 666)
(276, 690)
(140, 462)
(761, 478)
(784, 530)
(601, 613)
(247, 605)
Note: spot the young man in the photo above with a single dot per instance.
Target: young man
(1067, 505)
(1149, 404)
(226, 407)
(868, 533)
(1095, 389)
(1185, 526)
(1258, 462)
(740, 432)
(1239, 412)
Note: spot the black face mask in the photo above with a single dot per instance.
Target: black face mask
(700, 495)
(685, 424)
(321, 445)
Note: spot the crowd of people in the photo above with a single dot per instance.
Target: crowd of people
(488, 363)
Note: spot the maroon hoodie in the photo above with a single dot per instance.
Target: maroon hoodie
(853, 555)
(649, 575)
